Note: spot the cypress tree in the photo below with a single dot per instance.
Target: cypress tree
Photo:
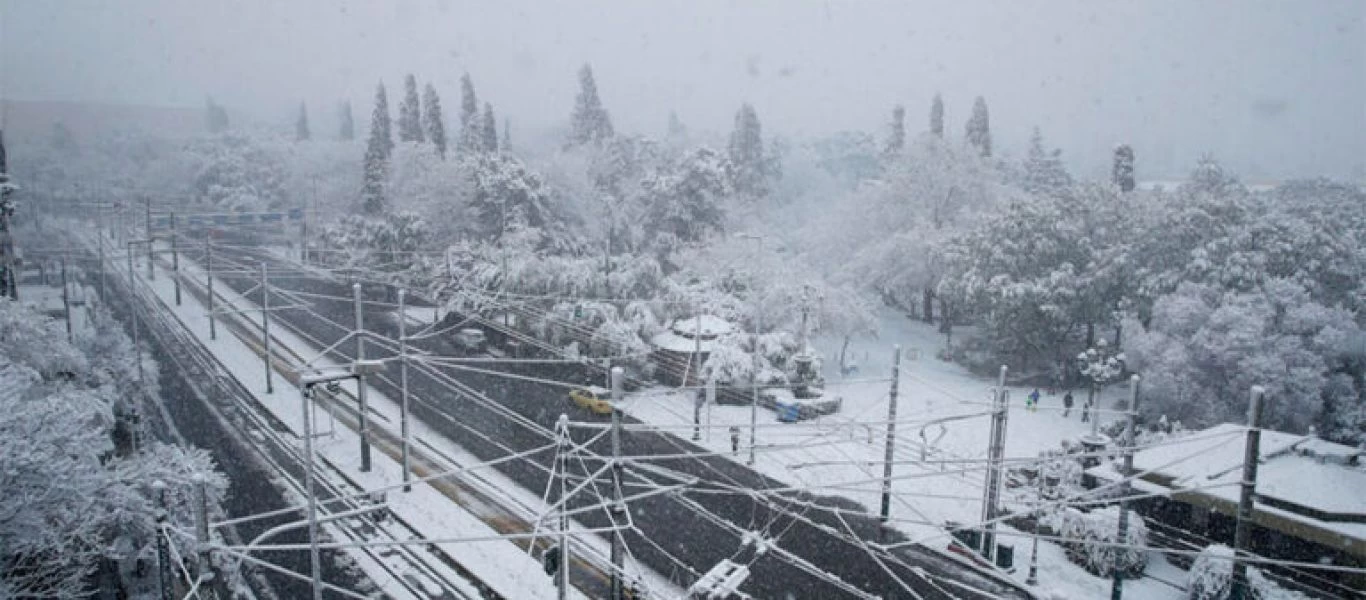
(470, 136)
(746, 151)
(432, 120)
(1123, 171)
(410, 113)
(377, 152)
(488, 130)
(937, 116)
(301, 133)
(348, 125)
(896, 135)
(506, 144)
(589, 122)
(978, 127)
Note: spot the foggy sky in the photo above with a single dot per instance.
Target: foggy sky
(1273, 89)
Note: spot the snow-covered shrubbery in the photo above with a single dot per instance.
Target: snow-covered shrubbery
(73, 489)
(1092, 539)
(1211, 578)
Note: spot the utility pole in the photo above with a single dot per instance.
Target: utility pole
(754, 380)
(66, 304)
(151, 273)
(360, 382)
(201, 525)
(163, 550)
(208, 268)
(994, 452)
(306, 393)
(562, 454)
(1117, 588)
(618, 504)
(891, 435)
(265, 325)
(9, 282)
(133, 312)
(1242, 532)
(175, 260)
(99, 221)
(697, 401)
(403, 383)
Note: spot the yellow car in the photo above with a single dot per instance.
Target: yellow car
(594, 398)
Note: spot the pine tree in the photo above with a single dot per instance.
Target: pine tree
(896, 136)
(348, 125)
(432, 120)
(676, 131)
(215, 117)
(1123, 171)
(410, 113)
(489, 130)
(506, 144)
(589, 122)
(377, 152)
(979, 127)
(746, 151)
(470, 136)
(937, 116)
(301, 133)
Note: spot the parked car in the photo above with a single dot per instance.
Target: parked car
(471, 339)
(593, 398)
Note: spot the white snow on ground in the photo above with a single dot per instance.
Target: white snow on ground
(499, 563)
(843, 454)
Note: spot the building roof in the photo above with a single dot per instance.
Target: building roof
(1303, 483)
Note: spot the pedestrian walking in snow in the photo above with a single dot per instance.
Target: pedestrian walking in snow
(734, 440)
(1086, 410)
(1067, 404)
(1032, 401)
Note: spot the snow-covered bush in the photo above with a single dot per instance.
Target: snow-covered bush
(235, 172)
(1211, 578)
(1091, 540)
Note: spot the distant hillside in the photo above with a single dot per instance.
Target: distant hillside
(33, 119)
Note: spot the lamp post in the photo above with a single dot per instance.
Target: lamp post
(754, 379)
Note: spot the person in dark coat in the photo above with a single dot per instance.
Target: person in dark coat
(1067, 404)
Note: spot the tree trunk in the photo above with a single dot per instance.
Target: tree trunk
(927, 304)
(1090, 335)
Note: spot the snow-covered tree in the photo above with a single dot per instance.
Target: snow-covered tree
(215, 117)
(896, 132)
(978, 128)
(347, 127)
(432, 120)
(488, 131)
(471, 136)
(505, 144)
(410, 113)
(684, 201)
(1211, 578)
(746, 151)
(589, 122)
(937, 116)
(391, 247)
(1122, 172)
(1092, 540)
(1044, 172)
(377, 152)
(301, 133)
(234, 172)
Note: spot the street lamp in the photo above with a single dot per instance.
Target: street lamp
(754, 379)
(306, 383)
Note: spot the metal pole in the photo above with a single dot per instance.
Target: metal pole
(562, 453)
(1242, 532)
(151, 273)
(1033, 578)
(100, 230)
(133, 313)
(618, 505)
(994, 468)
(304, 394)
(360, 382)
(66, 305)
(208, 267)
(175, 260)
(891, 436)
(754, 383)
(403, 383)
(697, 355)
(1117, 589)
(163, 551)
(201, 525)
(265, 325)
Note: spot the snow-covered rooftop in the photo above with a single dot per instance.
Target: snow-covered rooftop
(1299, 477)
(682, 334)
